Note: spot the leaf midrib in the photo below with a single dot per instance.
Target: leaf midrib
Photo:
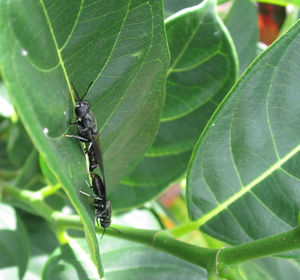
(57, 48)
(247, 188)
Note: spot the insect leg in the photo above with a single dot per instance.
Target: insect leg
(84, 193)
(77, 137)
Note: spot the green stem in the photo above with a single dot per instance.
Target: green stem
(33, 199)
(213, 260)
(160, 240)
(49, 190)
(184, 229)
(286, 241)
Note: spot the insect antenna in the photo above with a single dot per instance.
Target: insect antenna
(115, 230)
(103, 232)
(86, 90)
(74, 89)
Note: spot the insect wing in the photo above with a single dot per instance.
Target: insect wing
(98, 187)
(98, 156)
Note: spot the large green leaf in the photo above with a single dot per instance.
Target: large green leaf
(203, 61)
(203, 58)
(121, 46)
(121, 260)
(243, 180)
(242, 23)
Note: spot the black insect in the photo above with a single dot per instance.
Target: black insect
(86, 122)
(101, 204)
(87, 131)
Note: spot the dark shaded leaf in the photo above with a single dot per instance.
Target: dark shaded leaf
(242, 23)
(19, 145)
(203, 59)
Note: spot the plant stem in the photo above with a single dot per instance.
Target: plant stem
(219, 260)
(286, 241)
(163, 241)
(33, 199)
(184, 229)
(49, 190)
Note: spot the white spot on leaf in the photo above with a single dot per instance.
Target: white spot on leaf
(24, 52)
(45, 130)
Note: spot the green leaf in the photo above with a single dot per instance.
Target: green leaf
(243, 180)
(290, 19)
(42, 243)
(173, 6)
(135, 196)
(14, 244)
(5, 165)
(158, 170)
(48, 174)
(203, 60)
(242, 23)
(121, 260)
(70, 261)
(30, 171)
(167, 159)
(19, 145)
(271, 269)
(180, 135)
(121, 46)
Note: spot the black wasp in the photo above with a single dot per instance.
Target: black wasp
(101, 204)
(87, 131)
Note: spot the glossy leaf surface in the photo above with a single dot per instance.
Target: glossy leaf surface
(121, 46)
(203, 66)
(196, 36)
(243, 181)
